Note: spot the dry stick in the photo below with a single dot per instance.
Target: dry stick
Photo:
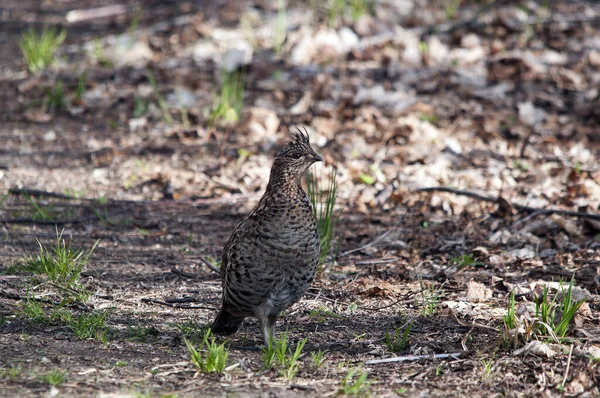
(517, 206)
(382, 261)
(413, 358)
(568, 365)
(209, 265)
(195, 307)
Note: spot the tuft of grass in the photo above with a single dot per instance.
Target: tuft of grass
(45, 213)
(552, 319)
(55, 377)
(398, 341)
(81, 83)
(159, 98)
(12, 373)
(451, 8)
(355, 383)
(142, 333)
(430, 297)
(280, 30)
(33, 311)
(488, 366)
(279, 352)
(39, 50)
(317, 358)
(227, 107)
(90, 326)
(339, 9)
(466, 260)
(55, 98)
(557, 317)
(63, 265)
(323, 204)
(210, 357)
(320, 314)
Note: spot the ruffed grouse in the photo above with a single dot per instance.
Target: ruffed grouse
(271, 258)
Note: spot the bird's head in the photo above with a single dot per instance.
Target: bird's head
(295, 158)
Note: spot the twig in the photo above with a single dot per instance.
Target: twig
(568, 365)
(374, 242)
(209, 265)
(517, 206)
(384, 307)
(413, 358)
(13, 296)
(179, 272)
(38, 192)
(41, 222)
(200, 307)
(382, 261)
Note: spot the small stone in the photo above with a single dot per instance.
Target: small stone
(50, 136)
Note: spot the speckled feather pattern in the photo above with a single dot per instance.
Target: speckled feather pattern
(271, 258)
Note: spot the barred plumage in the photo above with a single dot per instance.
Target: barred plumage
(271, 258)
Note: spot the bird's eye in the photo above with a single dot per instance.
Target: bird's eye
(296, 155)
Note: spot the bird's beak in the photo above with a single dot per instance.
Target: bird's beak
(317, 158)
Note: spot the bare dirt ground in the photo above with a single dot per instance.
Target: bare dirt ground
(497, 98)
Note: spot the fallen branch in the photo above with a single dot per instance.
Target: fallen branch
(38, 192)
(410, 358)
(517, 206)
(173, 305)
(209, 265)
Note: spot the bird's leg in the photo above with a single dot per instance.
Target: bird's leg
(264, 328)
(272, 322)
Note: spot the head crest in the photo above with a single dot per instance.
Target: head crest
(300, 137)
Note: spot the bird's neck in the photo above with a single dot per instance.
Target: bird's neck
(284, 185)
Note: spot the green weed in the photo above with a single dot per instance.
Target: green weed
(398, 341)
(90, 326)
(80, 86)
(227, 107)
(54, 378)
(39, 50)
(466, 260)
(55, 98)
(45, 213)
(323, 204)
(159, 98)
(339, 9)
(355, 383)
(430, 297)
(12, 373)
(488, 366)
(33, 311)
(451, 8)
(280, 353)
(63, 265)
(317, 358)
(210, 357)
(280, 29)
(142, 333)
(320, 314)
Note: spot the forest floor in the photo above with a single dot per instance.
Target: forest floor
(130, 141)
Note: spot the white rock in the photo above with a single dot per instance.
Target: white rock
(348, 38)
(50, 136)
(529, 114)
(129, 52)
(437, 50)
(205, 51)
(239, 54)
(470, 41)
(181, 98)
(303, 52)
(395, 100)
(137, 123)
